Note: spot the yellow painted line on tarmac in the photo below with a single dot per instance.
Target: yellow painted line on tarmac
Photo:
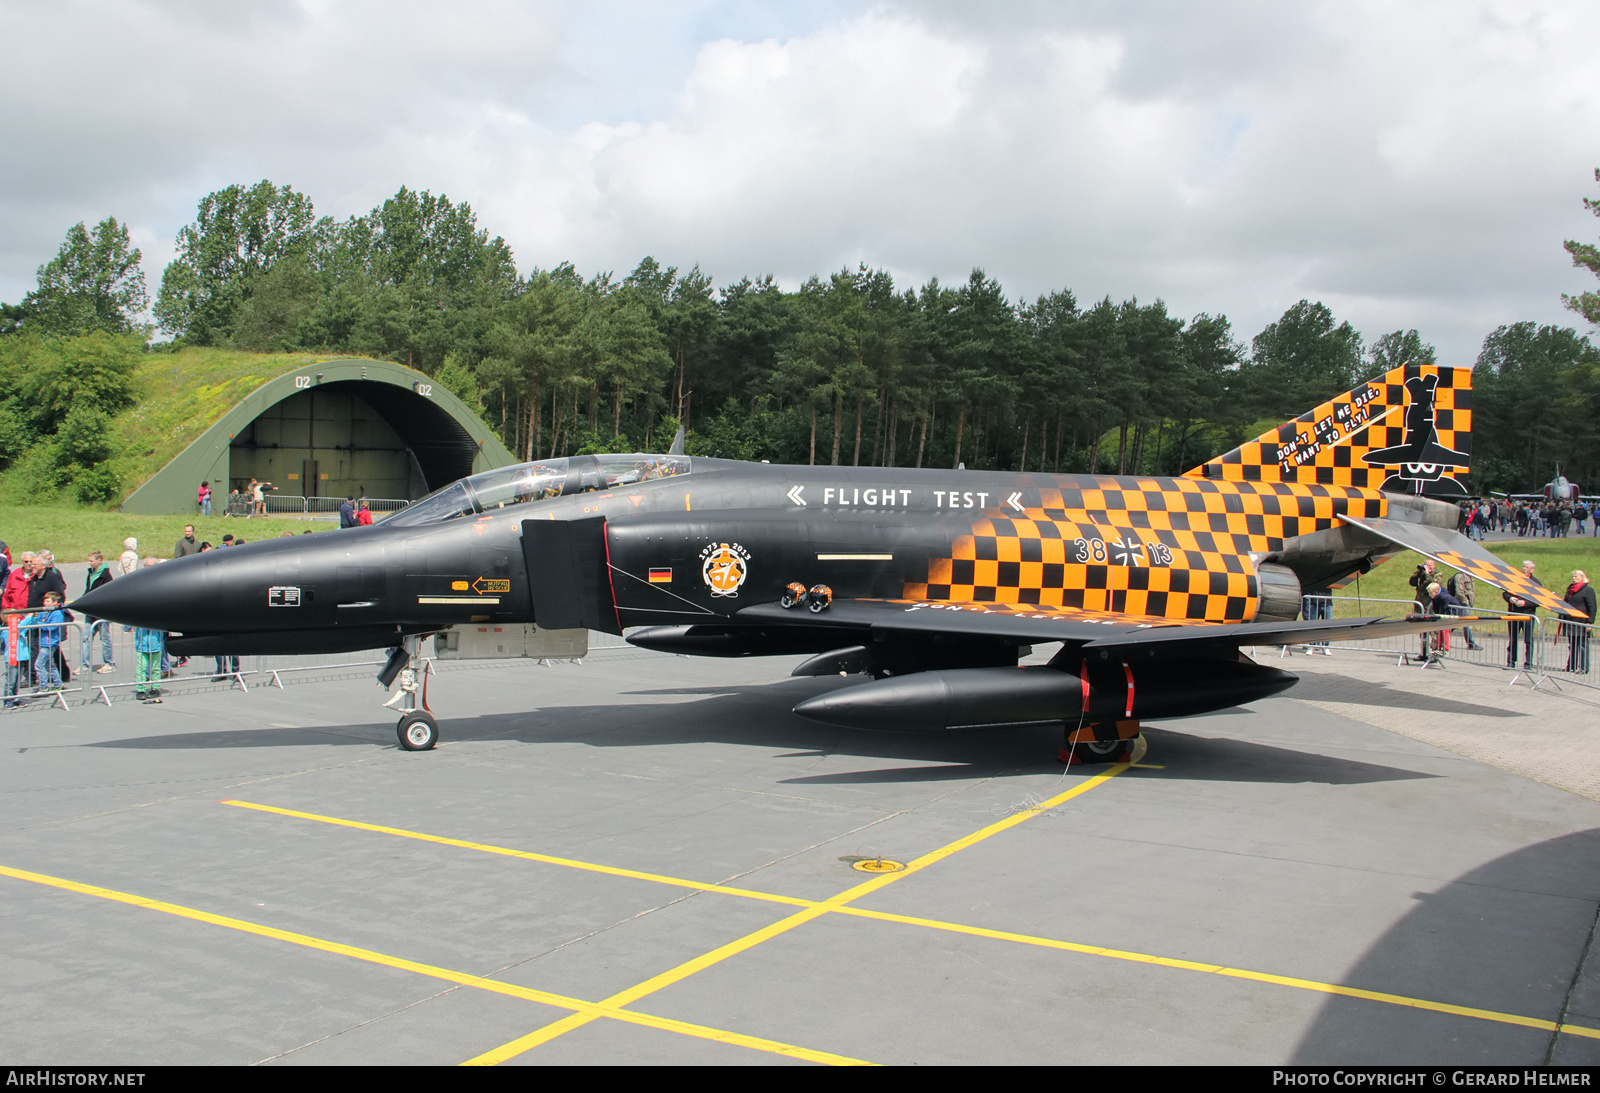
(838, 904)
(1223, 970)
(592, 1010)
(622, 998)
(548, 859)
(749, 941)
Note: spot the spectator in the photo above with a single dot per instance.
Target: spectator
(149, 647)
(1420, 580)
(347, 513)
(187, 545)
(47, 640)
(15, 597)
(14, 647)
(47, 578)
(1464, 589)
(226, 666)
(129, 560)
(1443, 603)
(165, 663)
(204, 499)
(364, 517)
(98, 574)
(1522, 607)
(1581, 597)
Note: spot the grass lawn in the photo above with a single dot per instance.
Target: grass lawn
(71, 531)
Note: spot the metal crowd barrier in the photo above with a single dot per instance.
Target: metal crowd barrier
(288, 504)
(1547, 649)
(89, 685)
(1571, 654)
(22, 683)
(331, 504)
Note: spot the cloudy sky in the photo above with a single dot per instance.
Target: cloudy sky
(1409, 164)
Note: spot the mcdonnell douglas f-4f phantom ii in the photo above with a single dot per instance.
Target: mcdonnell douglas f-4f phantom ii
(933, 583)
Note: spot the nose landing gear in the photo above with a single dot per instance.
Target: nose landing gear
(417, 728)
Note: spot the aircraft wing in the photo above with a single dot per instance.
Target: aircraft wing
(1024, 622)
(1027, 623)
(1455, 550)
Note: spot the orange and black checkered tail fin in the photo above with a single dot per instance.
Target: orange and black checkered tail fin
(1407, 431)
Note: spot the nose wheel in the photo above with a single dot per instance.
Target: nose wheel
(417, 729)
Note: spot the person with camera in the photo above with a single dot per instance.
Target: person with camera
(1420, 580)
(1464, 589)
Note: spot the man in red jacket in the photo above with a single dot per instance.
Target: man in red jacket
(15, 596)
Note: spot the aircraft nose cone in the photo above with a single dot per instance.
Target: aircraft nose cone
(168, 596)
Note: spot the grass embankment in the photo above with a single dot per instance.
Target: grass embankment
(1555, 560)
(182, 394)
(71, 531)
(177, 396)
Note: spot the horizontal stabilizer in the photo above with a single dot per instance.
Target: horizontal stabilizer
(1455, 550)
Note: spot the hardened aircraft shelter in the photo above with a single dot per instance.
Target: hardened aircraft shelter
(331, 429)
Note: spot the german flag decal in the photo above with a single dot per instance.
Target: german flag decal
(661, 576)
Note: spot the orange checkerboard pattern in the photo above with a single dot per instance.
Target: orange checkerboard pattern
(1504, 576)
(1325, 446)
(1157, 548)
(1034, 611)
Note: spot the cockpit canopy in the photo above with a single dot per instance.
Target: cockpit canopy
(524, 482)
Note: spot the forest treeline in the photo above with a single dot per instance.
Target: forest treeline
(850, 368)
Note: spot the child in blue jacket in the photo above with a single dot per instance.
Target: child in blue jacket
(148, 647)
(14, 651)
(46, 672)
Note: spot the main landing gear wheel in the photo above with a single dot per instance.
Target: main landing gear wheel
(418, 731)
(1102, 751)
(1106, 751)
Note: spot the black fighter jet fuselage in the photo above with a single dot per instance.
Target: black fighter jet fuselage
(933, 582)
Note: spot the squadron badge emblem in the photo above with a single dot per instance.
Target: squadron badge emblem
(723, 566)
